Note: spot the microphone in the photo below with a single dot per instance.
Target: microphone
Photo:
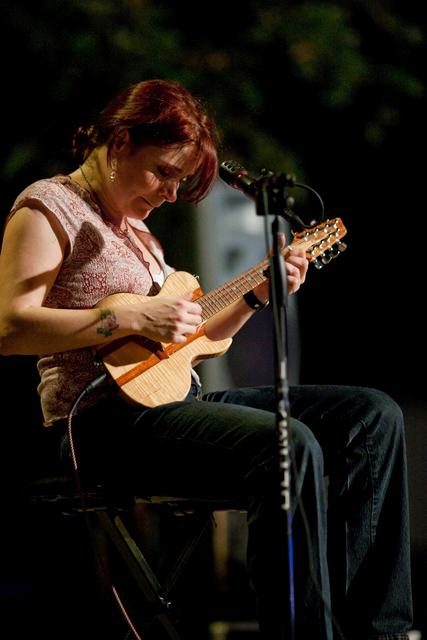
(235, 175)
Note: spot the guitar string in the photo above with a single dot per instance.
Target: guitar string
(232, 290)
(217, 299)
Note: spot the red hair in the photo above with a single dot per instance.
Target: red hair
(160, 113)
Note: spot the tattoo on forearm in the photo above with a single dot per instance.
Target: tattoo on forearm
(108, 323)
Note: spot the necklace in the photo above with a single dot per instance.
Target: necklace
(125, 231)
(94, 196)
(86, 179)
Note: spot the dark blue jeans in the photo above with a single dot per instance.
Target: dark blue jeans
(351, 543)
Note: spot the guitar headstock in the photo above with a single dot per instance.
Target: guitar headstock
(322, 242)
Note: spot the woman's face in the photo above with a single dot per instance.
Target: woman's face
(149, 176)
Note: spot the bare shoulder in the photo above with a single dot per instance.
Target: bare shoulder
(29, 227)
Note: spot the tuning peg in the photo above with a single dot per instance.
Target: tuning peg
(326, 257)
(316, 262)
(334, 253)
(341, 246)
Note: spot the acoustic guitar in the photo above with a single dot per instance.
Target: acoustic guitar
(153, 373)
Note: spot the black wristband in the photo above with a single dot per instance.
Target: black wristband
(253, 302)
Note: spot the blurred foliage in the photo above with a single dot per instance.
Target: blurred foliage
(332, 91)
(266, 70)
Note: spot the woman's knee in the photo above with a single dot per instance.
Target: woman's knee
(305, 448)
(381, 413)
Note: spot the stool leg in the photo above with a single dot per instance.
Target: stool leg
(202, 522)
(140, 570)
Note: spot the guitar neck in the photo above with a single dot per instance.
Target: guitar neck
(224, 295)
(315, 241)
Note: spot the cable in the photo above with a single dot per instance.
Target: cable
(101, 562)
(318, 196)
(87, 389)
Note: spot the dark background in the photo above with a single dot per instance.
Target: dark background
(333, 92)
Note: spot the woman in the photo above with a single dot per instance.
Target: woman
(70, 242)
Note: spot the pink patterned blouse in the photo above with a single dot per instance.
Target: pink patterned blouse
(101, 260)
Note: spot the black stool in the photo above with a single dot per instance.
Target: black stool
(144, 600)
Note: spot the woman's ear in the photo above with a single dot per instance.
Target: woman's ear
(121, 139)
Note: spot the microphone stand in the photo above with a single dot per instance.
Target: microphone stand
(272, 195)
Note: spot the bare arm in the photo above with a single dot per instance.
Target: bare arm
(32, 255)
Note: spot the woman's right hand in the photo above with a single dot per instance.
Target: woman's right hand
(31, 256)
(167, 318)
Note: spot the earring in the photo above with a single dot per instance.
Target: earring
(113, 173)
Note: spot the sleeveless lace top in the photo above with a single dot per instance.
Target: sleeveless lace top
(100, 260)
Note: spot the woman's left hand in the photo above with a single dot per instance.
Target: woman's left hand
(296, 269)
(227, 323)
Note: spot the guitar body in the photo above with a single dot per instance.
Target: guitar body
(151, 373)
